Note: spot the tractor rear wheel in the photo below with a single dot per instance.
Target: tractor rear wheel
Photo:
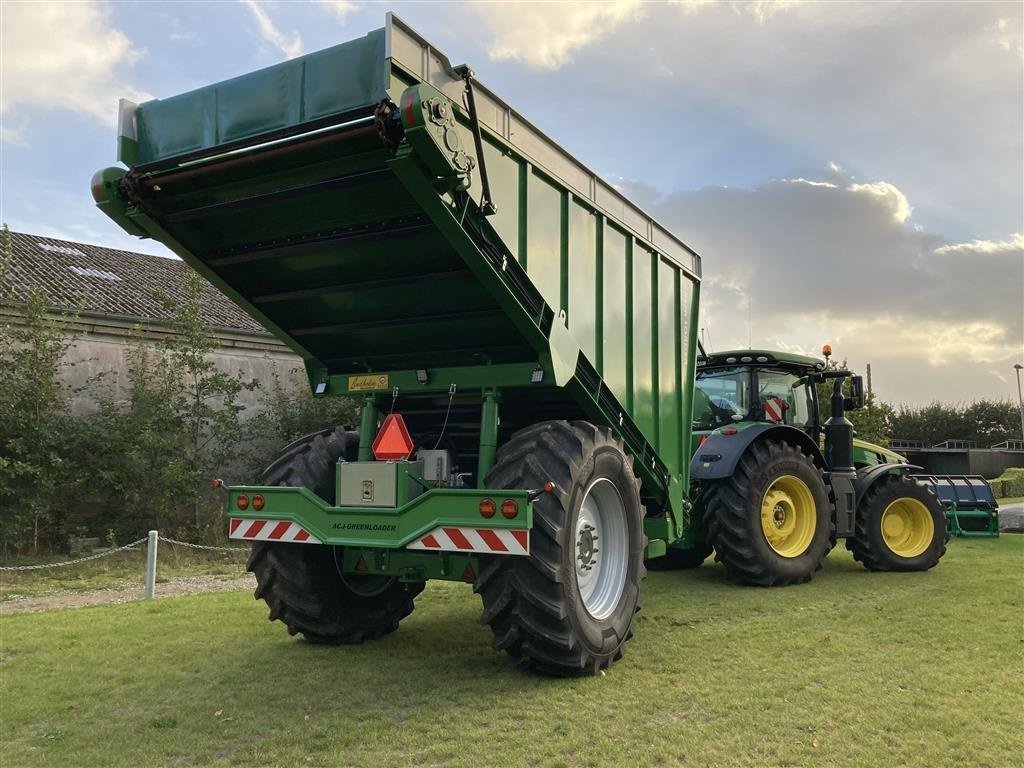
(769, 523)
(303, 583)
(568, 608)
(901, 526)
(676, 559)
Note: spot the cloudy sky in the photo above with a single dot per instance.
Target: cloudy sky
(850, 173)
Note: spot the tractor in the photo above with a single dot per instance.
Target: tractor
(774, 486)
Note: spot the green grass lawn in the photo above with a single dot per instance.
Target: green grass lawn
(1010, 500)
(852, 669)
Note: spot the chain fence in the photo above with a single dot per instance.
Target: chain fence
(204, 546)
(151, 541)
(76, 561)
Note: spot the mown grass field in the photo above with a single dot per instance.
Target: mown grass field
(853, 669)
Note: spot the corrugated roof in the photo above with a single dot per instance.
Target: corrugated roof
(107, 281)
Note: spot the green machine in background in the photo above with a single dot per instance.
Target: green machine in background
(522, 339)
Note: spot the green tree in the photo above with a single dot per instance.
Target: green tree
(288, 411)
(148, 462)
(33, 414)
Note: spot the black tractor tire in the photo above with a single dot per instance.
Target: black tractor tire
(676, 559)
(732, 517)
(533, 604)
(869, 546)
(303, 583)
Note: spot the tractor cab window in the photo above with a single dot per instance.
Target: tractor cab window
(780, 401)
(722, 397)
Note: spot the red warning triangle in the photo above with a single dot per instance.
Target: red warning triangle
(393, 442)
(469, 574)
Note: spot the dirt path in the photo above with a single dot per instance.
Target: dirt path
(184, 585)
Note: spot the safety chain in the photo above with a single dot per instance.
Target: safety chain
(71, 562)
(203, 546)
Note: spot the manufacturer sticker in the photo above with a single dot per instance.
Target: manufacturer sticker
(367, 383)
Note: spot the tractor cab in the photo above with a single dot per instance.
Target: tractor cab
(748, 386)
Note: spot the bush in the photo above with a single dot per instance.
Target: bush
(1009, 484)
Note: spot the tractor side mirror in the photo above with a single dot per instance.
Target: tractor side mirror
(856, 398)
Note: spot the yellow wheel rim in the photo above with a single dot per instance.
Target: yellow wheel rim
(788, 516)
(907, 527)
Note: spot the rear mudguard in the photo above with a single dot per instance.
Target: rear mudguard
(718, 456)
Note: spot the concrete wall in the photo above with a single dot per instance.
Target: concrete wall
(976, 461)
(103, 346)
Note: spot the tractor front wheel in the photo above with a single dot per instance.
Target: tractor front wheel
(769, 523)
(568, 608)
(901, 526)
(303, 583)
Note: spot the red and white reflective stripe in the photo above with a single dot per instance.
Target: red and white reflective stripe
(493, 541)
(270, 530)
(773, 409)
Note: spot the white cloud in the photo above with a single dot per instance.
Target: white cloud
(1014, 244)
(546, 34)
(817, 262)
(62, 56)
(894, 200)
(339, 8)
(290, 44)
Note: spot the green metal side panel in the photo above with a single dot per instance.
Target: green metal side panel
(643, 342)
(543, 239)
(669, 375)
(584, 291)
(296, 93)
(616, 364)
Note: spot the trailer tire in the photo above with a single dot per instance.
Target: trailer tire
(303, 583)
(546, 611)
(676, 559)
(901, 526)
(736, 526)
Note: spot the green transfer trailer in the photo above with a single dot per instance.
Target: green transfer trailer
(520, 335)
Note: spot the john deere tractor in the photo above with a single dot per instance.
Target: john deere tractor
(774, 486)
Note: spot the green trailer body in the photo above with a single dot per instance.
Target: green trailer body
(371, 252)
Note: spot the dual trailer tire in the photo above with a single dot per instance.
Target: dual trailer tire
(568, 608)
(303, 583)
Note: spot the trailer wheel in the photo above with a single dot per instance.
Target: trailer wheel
(303, 583)
(568, 608)
(901, 526)
(676, 559)
(770, 522)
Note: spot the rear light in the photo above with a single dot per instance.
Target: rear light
(728, 430)
(488, 508)
(242, 502)
(510, 508)
(703, 439)
(257, 502)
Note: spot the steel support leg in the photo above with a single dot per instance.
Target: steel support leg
(488, 435)
(367, 428)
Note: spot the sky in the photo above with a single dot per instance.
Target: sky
(851, 173)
